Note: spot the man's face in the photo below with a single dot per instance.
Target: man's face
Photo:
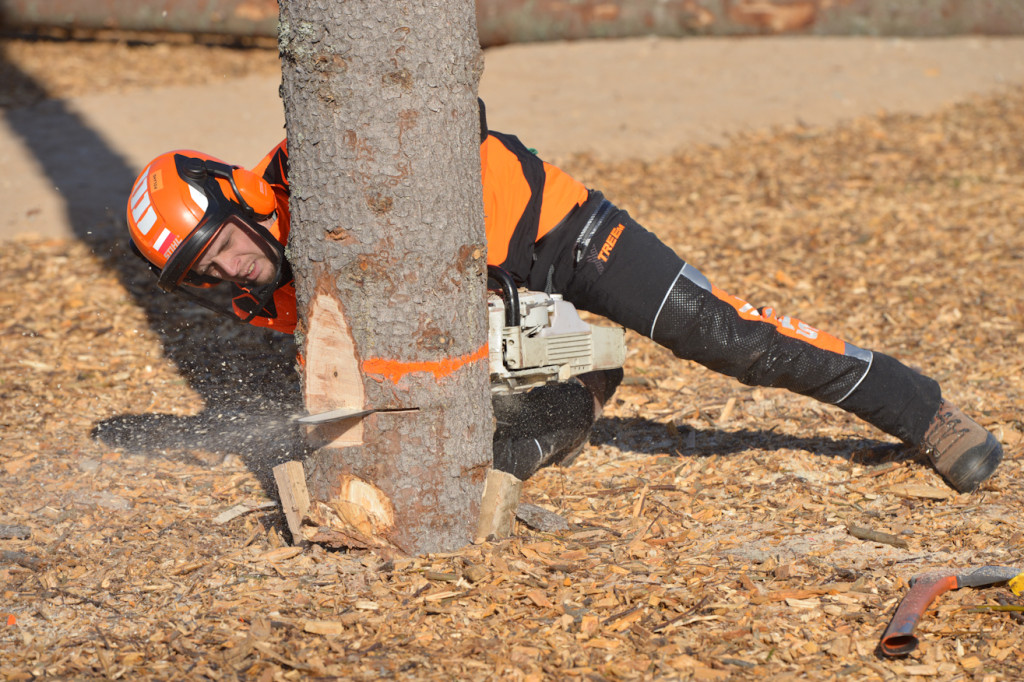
(238, 255)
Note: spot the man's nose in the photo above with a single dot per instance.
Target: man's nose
(227, 264)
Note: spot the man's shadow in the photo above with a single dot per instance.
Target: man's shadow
(244, 375)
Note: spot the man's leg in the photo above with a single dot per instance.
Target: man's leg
(617, 269)
(550, 424)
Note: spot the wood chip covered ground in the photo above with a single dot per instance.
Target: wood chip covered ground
(714, 530)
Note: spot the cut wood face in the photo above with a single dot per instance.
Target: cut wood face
(363, 507)
(333, 379)
(357, 515)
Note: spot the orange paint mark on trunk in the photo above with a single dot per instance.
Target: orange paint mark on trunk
(394, 370)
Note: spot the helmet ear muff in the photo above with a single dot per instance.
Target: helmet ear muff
(253, 193)
(243, 187)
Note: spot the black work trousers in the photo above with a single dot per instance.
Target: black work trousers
(603, 261)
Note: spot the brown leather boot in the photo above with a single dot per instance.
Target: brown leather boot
(960, 449)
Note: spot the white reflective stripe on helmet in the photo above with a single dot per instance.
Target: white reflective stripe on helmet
(142, 208)
(199, 198)
(146, 222)
(140, 186)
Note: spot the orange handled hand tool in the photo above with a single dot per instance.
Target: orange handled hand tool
(899, 638)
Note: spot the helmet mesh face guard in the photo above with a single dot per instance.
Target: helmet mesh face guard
(180, 204)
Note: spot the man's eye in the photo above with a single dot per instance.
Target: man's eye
(206, 262)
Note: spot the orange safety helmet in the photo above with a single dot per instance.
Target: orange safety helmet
(179, 204)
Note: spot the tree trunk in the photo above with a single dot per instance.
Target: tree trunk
(387, 245)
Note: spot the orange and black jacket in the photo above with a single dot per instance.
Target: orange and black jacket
(524, 199)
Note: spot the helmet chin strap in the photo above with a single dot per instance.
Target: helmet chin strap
(263, 295)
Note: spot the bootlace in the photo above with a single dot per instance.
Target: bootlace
(944, 433)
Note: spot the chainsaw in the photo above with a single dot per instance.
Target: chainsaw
(533, 339)
(536, 338)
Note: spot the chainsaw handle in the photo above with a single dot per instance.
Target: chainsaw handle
(899, 639)
(509, 293)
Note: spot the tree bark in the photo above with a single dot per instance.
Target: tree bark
(387, 245)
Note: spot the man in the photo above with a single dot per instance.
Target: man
(200, 222)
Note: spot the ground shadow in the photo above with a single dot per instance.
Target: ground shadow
(652, 437)
(264, 440)
(238, 370)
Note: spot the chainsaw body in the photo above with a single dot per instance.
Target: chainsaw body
(536, 338)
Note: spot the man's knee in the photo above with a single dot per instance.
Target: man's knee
(602, 385)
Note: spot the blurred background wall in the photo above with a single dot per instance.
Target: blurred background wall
(516, 21)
